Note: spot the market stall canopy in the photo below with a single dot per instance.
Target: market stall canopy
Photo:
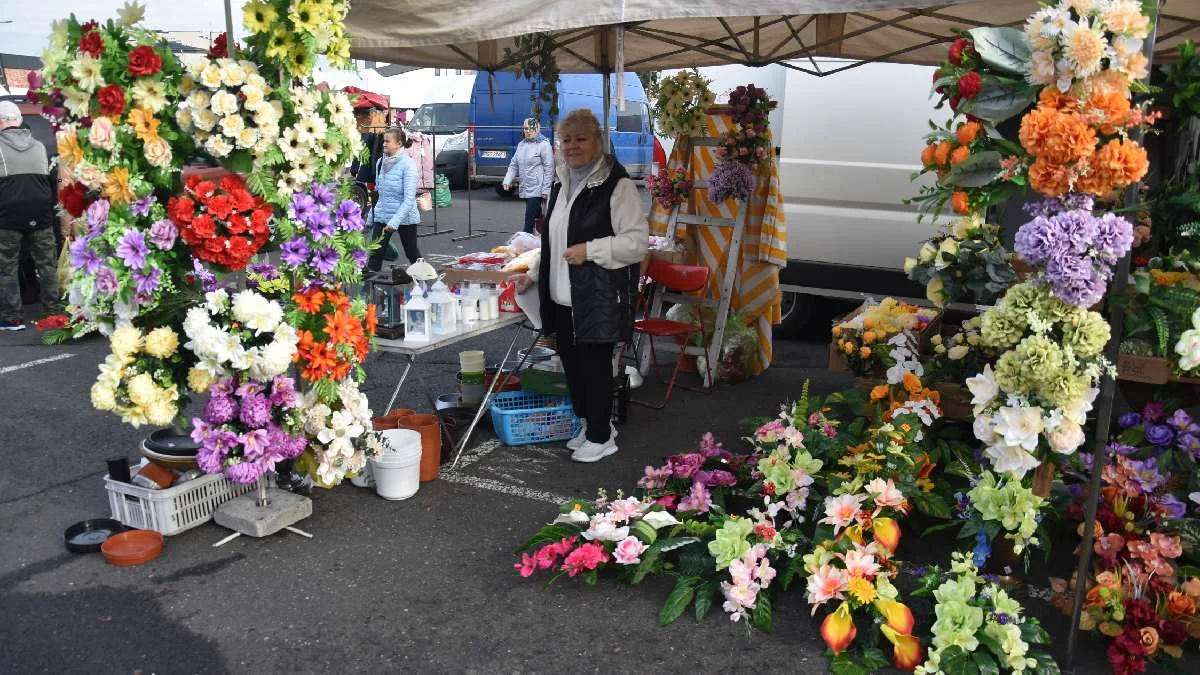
(662, 34)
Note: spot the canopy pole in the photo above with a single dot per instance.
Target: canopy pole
(229, 29)
(607, 105)
(1108, 386)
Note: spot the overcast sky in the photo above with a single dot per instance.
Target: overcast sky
(31, 18)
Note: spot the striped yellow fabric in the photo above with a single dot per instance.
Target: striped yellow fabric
(764, 241)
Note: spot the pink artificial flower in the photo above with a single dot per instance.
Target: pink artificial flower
(825, 584)
(655, 478)
(629, 551)
(546, 556)
(1109, 545)
(667, 501)
(829, 430)
(740, 573)
(793, 437)
(764, 573)
(585, 558)
(709, 446)
(860, 563)
(527, 565)
(841, 511)
(698, 500)
(685, 466)
(814, 419)
(885, 494)
(770, 431)
(1168, 546)
(1140, 548)
(738, 598)
(625, 509)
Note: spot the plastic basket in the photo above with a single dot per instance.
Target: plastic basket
(522, 417)
(174, 509)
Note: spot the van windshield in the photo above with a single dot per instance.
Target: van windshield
(440, 118)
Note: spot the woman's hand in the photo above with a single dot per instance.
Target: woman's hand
(521, 281)
(576, 255)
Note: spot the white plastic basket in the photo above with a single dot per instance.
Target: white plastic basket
(174, 509)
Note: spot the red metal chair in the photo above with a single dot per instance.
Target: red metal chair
(675, 278)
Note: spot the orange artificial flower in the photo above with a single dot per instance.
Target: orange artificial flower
(1112, 108)
(927, 155)
(879, 392)
(868, 324)
(1070, 139)
(848, 347)
(1125, 159)
(1051, 180)
(1149, 638)
(117, 189)
(942, 154)
(960, 154)
(968, 132)
(145, 124)
(310, 301)
(838, 628)
(865, 352)
(1051, 97)
(887, 533)
(837, 331)
(341, 303)
(69, 152)
(342, 327)
(960, 202)
(912, 383)
(869, 336)
(1035, 127)
(907, 652)
(1181, 604)
(372, 320)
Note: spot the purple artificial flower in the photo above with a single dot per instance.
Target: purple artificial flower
(1079, 229)
(132, 249)
(322, 195)
(254, 443)
(685, 466)
(256, 411)
(1180, 420)
(83, 257)
(325, 259)
(250, 388)
(245, 473)
(716, 478)
(221, 441)
(283, 392)
(360, 257)
(141, 207)
(201, 430)
(349, 216)
(97, 214)
(265, 270)
(223, 387)
(1160, 435)
(321, 225)
(1121, 449)
(1189, 442)
(220, 409)
(1114, 236)
(1172, 507)
(1129, 420)
(698, 499)
(106, 281)
(303, 207)
(208, 280)
(163, 234)
(209, 460)
(1146, 474)
(294, 253)
(730, 179)
(1154, 412)
(1034, 241)
(146, 283)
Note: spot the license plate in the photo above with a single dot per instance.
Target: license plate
(493, 154)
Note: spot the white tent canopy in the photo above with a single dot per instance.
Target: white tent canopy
(661, 34)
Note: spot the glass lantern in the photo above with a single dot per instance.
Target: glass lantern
(442, 309)
(417, 326)
(388, 297)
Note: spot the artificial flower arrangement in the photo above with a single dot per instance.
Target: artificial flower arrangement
(1076, 40)
(975, 168)
(994, 505)
(243, 431)
(669, 187)
(230, 111)
(742, 148)
(323, 238)
(222, 223)
(338, 435)
(965, 262)
(334, 336)
(1169, 442)
(681, 102)
(1162, 317)
(290, 34)
(961, 354)
(1044, 382)
(143, 379)
(230, 335)
(983, 75)
(979, 627)
(863, 338)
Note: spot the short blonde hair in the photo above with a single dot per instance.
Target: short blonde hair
(579, 121)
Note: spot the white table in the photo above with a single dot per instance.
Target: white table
(411, 350)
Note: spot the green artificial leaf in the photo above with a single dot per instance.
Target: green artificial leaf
(680, 597)
(1046, 665)
(762, 612)
(795, 567)
(932, 504)
(674, 543)
(589, 577)
(1033, 633)
(999, 102)
(939, 527)
(975, 171)
(547, 535)
(985, 663)
(705, 595)
(695, 561)
(239, 161)
(844, 664)
(955, 660)
(651, 562)
(1003, 48)
(644, 531)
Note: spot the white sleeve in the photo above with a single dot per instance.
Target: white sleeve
(631, 230)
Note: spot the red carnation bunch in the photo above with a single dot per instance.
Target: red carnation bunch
(222, 222)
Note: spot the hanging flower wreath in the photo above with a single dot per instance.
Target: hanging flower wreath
(222, 222)
(680, 102)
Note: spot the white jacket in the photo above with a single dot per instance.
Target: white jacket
(533, 164)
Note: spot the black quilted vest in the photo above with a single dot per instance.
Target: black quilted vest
(601, 299)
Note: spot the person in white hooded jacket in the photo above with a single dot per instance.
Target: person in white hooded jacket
(533, 165)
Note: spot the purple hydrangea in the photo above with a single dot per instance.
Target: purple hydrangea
(256, 411)
(1073, 249)
(245, 473)
(132, 249)
(163, 234)
(730, 179)
(1069, 202)
(106, 281)
(294, 253)
(220, 409)
(325, 259)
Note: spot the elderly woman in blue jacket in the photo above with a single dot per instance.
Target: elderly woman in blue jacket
(532, 164)
(396, 178)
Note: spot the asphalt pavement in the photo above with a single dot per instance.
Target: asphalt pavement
(422, 585)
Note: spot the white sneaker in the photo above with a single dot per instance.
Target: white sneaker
(577, 442)
(594, 452)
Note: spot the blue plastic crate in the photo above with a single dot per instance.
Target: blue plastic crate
(522, 417)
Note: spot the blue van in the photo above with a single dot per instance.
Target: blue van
(500, 104)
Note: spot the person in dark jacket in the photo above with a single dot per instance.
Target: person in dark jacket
(27, 216)
(592, 247)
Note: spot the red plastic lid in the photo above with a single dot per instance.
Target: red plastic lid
(133, 547)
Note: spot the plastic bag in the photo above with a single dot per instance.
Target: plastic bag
(524, 241)
(441, 192)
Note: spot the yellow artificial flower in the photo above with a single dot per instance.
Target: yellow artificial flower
(300, 61)
(306, 16)
(152, 94)
(200, 381)
(861, 590)
(116, 188)
(279, 45)
(69, 152)
(258, 16)
(145, 124)
(161, 342)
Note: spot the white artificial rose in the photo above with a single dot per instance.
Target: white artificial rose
(233, 126)
(1188, 348)
(983, 387)
(927, 252)
(958, 352)
(224, 103)
(199, 100)
(210, 77)
(659, 519)
(204, 119)
(1021, 426)
(984, 429)
(231, 72)
(218, 146)
(1066, 438)
(1011, 459)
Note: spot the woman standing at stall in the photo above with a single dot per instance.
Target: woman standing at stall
(592, 246)
(396, 178)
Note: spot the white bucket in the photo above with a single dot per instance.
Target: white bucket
(397, 470)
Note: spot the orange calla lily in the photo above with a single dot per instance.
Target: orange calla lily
(907, 652)
(898, 616)
(854, 533)
(838, 629)
(887, 533)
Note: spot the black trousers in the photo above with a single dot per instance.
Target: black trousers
(408, 240)
(589, 372)
(533, 209)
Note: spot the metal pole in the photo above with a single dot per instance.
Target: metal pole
(229, 29)
(607, 104)
(1108, 386)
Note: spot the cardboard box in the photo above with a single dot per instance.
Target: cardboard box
(837, 363)
(1147, 369)
(454, 275)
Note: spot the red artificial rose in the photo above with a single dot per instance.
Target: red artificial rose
(181, 210)
(957, 48)
(219, 48)
(970, 85)
(144, 61)
(73, 198)
(91, 44)
(112, 100)
(954, 100)
(1173, 633)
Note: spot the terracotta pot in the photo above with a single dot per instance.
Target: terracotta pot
(1043, 479)
(431, 442)
(397, 413)
(383, 423)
